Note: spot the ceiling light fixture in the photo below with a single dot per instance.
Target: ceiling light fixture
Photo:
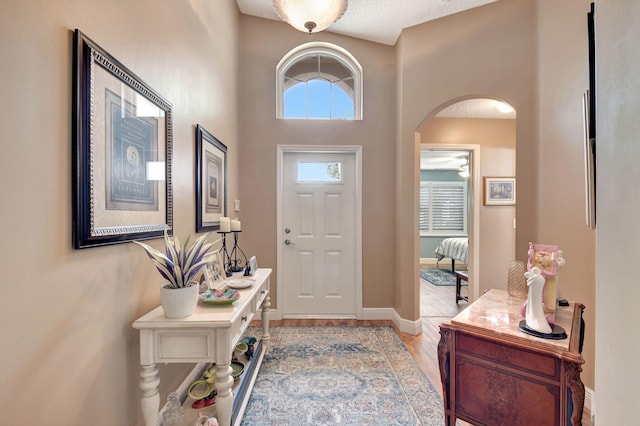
(504, 107)
(310, 16)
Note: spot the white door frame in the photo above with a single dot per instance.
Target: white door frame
(352, 149)
(474, 228)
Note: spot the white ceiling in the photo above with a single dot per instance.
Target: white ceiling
(380, 21)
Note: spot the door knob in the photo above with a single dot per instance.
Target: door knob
(289, 243)
(287, 230)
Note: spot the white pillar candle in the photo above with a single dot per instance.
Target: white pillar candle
(225, 224)
(235, 225)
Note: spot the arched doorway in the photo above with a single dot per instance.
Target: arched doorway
(478, 129)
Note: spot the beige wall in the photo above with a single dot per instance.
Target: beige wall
(261, 133)
(618, 204)
(537, 65)
(497, 141)
(484, 52)
(562, 64)
(69, 355)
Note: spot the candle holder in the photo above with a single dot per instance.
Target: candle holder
(235, 264)
(226, 259)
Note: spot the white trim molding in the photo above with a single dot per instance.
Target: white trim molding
(590, 403)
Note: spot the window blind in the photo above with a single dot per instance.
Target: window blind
(443, 208)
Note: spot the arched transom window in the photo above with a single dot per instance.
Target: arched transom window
(319, 81)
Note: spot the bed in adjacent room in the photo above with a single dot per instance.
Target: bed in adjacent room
(453, 248)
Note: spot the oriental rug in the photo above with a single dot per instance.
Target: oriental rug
(439, 277)
(341, 376)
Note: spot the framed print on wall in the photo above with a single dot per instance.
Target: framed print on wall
(122, 144)
(211, 181)
(499, 191)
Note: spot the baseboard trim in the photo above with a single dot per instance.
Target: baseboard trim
(388, 314)
(404, 325)
(407, 326)
(590, 403)
(378, 314)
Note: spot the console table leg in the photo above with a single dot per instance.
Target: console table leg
(265, 321)
(150, 397)
(224, 399)
(577, 392)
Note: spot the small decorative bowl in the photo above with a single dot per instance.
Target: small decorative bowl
(241, 348)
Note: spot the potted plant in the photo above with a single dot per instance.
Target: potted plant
(179, 265)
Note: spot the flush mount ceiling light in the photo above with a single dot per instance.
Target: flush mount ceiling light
(310, 16)
(504, 107)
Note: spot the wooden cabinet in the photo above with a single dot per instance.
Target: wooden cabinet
(209, 335)
(494, 374)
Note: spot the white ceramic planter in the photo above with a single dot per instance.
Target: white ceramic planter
(179, 302)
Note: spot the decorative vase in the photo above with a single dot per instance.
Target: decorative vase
(179, 302)
(516, 282)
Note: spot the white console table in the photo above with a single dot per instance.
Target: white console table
(209, 335)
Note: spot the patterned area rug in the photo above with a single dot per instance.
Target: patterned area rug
(438, 276)
(341, 375)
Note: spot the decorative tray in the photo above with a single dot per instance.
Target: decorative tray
(239, 283)
(219, 297)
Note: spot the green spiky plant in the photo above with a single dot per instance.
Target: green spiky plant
(180, 263)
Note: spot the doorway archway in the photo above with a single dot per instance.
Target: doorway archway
(474, 125)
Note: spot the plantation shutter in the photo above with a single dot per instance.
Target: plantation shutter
(424, 206)
(443, 208)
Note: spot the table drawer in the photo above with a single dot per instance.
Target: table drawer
(184, 345)
(239, 326)
(520, 359)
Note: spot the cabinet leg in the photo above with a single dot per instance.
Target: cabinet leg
(224, 399)
(265, 321)
(577, 393)
(150, 397)
(444, 353)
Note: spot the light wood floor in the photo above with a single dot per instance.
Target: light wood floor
(437, 304)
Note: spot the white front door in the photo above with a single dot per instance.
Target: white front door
(319, 219)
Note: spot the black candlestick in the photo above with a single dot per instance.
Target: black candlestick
(235, 264)
(225, 255)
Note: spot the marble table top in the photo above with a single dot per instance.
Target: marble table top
(495, 312)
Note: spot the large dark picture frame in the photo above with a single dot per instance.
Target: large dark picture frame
(122, 149)
(211, 180)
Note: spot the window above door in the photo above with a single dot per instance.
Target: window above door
(319, 81)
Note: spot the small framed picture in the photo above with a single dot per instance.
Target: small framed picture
(214, 272)
(253, 265)
(499, 191)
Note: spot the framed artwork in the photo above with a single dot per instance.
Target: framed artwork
(499, 191)
(589, 166)
(122, 144)
(211, 181)
(214, 272)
